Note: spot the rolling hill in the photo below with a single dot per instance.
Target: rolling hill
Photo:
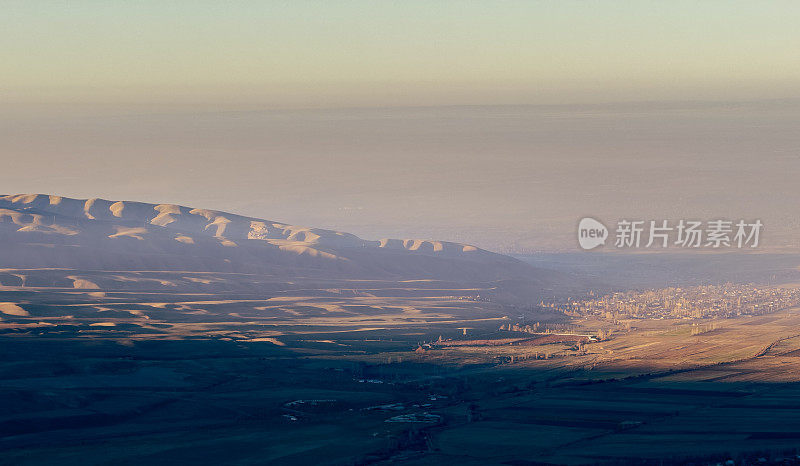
(47, 231)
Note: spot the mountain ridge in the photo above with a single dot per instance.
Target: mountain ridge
(44, 230)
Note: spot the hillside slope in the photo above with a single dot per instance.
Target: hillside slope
(47, 231)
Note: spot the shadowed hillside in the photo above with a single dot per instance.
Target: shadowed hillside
(45, 231)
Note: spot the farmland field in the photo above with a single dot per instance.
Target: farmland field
(406, 381)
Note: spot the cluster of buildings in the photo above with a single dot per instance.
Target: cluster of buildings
(728, 300)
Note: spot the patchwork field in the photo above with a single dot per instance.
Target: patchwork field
(375, 372)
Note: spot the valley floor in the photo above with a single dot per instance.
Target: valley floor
(375, 374)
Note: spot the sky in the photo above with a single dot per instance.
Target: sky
(356, 53)
(498, 123)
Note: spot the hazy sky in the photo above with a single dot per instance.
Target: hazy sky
(496, 123)
(352, 53)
